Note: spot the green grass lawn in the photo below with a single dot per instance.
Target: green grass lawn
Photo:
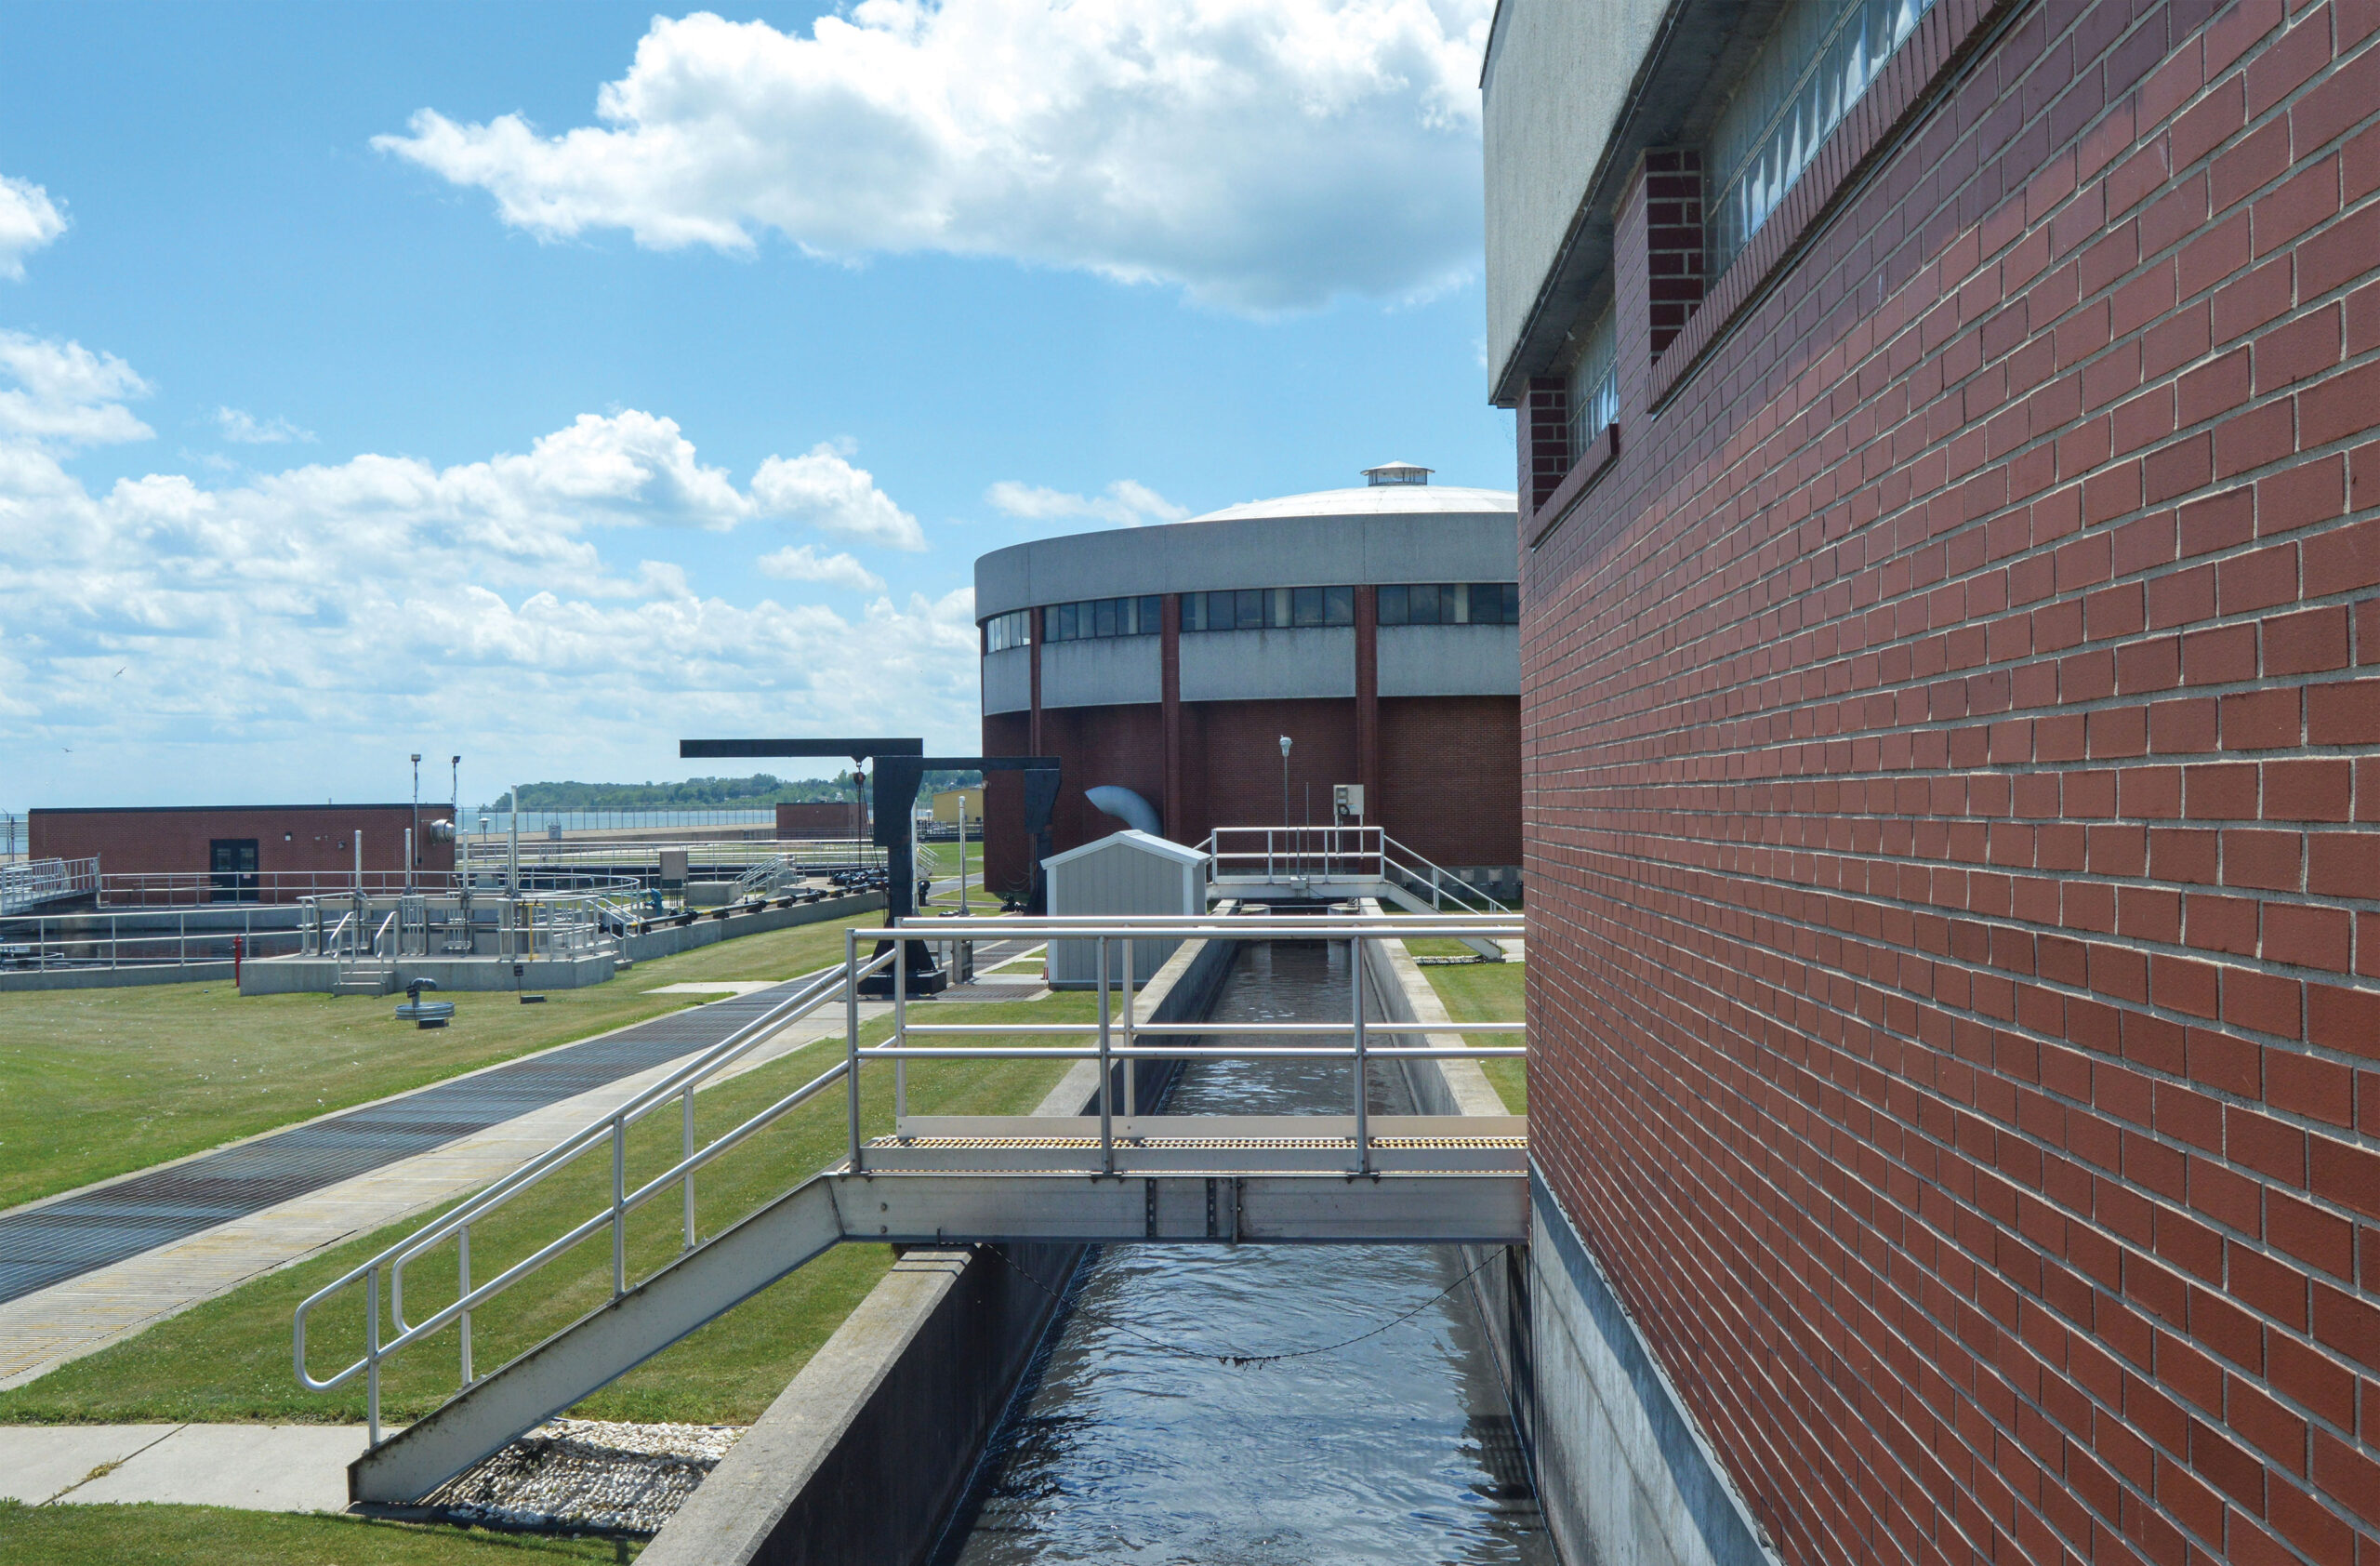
(1485, 992)
(153, 1535)
(94, 1082)
(228, 1360)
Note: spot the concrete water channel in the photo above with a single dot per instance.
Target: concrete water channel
(1135, 1438)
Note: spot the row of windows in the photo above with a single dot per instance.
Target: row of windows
(1105, 616)
(1268, 608)
(1011, 629)
(1262, 609)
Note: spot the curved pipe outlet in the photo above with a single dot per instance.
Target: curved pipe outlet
(1127, 807)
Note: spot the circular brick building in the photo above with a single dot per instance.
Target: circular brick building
(1375, 628)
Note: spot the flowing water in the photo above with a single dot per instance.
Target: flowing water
(1398, 1448)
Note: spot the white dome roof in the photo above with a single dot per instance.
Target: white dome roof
(1372, 500)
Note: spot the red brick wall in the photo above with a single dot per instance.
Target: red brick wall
(1451, 766)
(1953, 763)
(319, 838)
(822, 818)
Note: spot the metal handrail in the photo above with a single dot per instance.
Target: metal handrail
(682, 1082)
(1294, 851)
(1356, 932)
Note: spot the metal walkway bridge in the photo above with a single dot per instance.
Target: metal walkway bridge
(1102, 1177)
(1342, 864)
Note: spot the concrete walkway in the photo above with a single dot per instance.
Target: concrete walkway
(42, 1331)
(261, 1467)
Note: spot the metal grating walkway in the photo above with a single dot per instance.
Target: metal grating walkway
(50, 1244)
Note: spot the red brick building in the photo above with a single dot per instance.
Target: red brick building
(1373, 627)
(266, 852)
(1951, 755)
(826, 818)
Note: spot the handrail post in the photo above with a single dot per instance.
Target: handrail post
(465, 1262)
(1106, 1106)
(619, 1204)
(1363, 1122)
(688, 1158)
(900, 1033)
(372, 1361)
(1131, 1077)
(851, 1013)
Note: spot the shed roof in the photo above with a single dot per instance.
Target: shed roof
(1139, 841)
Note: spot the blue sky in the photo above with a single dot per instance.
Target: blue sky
(542, 382)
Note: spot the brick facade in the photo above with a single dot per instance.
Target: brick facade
(1951, 738)
(1451, 766)
(300, 839)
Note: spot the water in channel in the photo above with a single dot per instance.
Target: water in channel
(1397, 1448)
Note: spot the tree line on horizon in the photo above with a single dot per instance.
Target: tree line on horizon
(710, 793)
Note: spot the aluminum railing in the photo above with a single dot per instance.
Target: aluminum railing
(46, 881)
(72, 941)
(1105, 1048)
(609, 1132)
(201, 888)
(1290, 854)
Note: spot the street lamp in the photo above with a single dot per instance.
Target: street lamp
(413, 842)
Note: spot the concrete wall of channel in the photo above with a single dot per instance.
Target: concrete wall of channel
(867, 1451)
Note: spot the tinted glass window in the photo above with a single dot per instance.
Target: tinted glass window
(1392, 606)
(1152, 614)
(1104, 618)
(1338, 605)
(1511, 596)
(1252, 608)
(1065, 629)
(1421, 604)
(1306, 605)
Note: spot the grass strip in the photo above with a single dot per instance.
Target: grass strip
(98, 1083)
(1486, 992)
(162, 1535)
(228, 1360)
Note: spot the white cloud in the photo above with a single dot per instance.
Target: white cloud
(322, 609)
(1125, 504)
(805, 564)
(66, 394)
(821, 488)
(29, 219)
(248, 430)
(1262, 154)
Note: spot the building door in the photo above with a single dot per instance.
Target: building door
(232, 865)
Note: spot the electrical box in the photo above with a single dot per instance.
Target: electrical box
(1347, 799)
(673, 869)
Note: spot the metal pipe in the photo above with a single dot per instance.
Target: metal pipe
(687, 1156)
(371, 1359)
(1131, 1063)
(464, 1252)
(1363, 1125)
(900, 1020)
(851, 1001)
(1106, 1110)
(619, 1207)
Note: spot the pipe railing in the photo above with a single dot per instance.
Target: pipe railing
(1291, 853)
(611, 1130)
(1357, 933)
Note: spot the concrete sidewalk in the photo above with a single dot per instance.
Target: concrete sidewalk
(42, 1331)
(261, 1467)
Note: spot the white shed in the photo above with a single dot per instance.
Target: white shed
(1129, 872)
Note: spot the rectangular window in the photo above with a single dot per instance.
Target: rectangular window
(1594, 385)
(1512, 594)
(1393, 605)
(1279, 617)
(1104, 621)
(1339, 605)
(1818, 59)
(1488, 604)
(1421, 604)
(1305, 606)
(1193, 611)
(1251, 608)
(1152, 616)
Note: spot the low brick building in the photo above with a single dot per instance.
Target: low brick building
(1951, 754)
(826, 818)
(267, 852)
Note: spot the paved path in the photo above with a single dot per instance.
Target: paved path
(93, 1308)
(262, 1468)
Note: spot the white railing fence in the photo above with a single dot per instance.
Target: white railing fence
(46, 880)
(1278, 856)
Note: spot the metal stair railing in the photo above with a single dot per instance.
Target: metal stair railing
(681, 1085)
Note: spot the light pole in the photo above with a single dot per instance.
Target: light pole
(1285, 782)
(413, 842)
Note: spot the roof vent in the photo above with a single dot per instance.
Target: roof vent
(1397, 472)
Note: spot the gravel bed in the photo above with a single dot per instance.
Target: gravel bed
(587, 1474)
